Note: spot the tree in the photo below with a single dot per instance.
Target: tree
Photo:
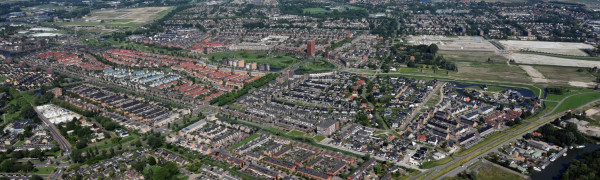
(115, 140)
(433, 49)
(151, 161)
(138, 165)
(366, 157)
(36, 177)
(155, 142)
(81, 144)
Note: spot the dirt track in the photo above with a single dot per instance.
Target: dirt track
(535, 75)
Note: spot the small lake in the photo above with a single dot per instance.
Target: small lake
(556, 168)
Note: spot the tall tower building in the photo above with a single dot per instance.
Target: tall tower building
(310, 47)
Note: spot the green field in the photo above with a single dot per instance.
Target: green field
(44, 170)
(430, 164)
(571, 91)
(319, 138)
(495, 173)
(296, 133)
(21, 142)
(275, 60)
(480, 144)
(316, 66)
(562, 75)
(248, 139)
(126, 25)
(577, 100)
(124, 141)
(314, 10)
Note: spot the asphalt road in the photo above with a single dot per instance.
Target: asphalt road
(64, 144)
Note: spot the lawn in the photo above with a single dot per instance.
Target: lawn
(44, 170)
(492, 172)
(275, 60)
(571, 91)
(248, 139)
(576, 101)
(237, 107)
(21, 142)
(480, 144)
(319, 138)
(430, 164)
(316, 66)
(278, 131)
(124, 141)
(296, 133)
(408, 70)
(314, 10)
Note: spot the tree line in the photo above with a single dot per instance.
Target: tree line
(232, 96)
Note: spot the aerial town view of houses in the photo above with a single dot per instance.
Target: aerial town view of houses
(299, 89)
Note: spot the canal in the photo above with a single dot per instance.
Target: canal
(556, 168)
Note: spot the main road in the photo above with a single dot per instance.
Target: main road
(64, 144)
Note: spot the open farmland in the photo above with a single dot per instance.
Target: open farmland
(117, 19)
(548, 60)
(563, 48)
(126, 16)
(535, 75)
(470, 43)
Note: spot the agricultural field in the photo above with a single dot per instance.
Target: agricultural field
(563, 48)
(527, 58)
(127, 16)
(473, 64)
(496, 71)
(118, 19)
(456, 43)
(566, 76)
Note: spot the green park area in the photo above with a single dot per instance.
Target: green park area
(577, 100)
(275, 60)
(317, 66)
(489, 172)
(434, 163)
(248, 139)
(314, 10)
(44, 170)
